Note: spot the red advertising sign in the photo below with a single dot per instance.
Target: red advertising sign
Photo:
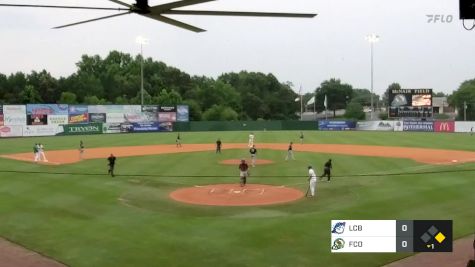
(444, 126)
(81, 118)
(1, 119)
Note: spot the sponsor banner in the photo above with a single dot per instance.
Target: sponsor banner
(132, 109)
(444, 126)
(97, 117)
(1, 119)
(145, 127)
(14, 119)
(336, 125)
(79, 118)
(150, 108)
(1, 109)
(465, 126)
(167, 109)
(14, 109)
(418, 126)
(78, 109)
(110, 128)
(115, 109)
(58, 119)
(36, 119)
(42, 130)
(375, 126)
(143, 117)
(126, 128)
(91, 128)
(167, 116)
(97, 109)
(11, 131)
(47, 109)
(182, 113)
(398, 126)
(115, 117)
(165, 127)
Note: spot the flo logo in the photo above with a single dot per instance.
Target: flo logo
(338, 228)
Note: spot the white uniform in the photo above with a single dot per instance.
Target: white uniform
(312, 181)
(251, 140)
(42, 154)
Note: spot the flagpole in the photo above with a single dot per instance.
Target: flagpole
(326, 104)
(301, 103)
(314, 110)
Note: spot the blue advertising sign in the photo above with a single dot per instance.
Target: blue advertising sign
(77, 109)
(47, 109)
(145, 127)
(336, 125)
(182, 113)
(418, 126)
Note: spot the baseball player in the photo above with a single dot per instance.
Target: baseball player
(81, 150)
(253, 152)
(111, 164)
(301, 137)
(41, 151)
(218, 146)
(251, 140)
(36, 152)
(178, 140)
(290, 152)
(312, 178)
(243, 172)
(327, 169)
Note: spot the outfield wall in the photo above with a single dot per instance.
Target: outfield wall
(205, 126)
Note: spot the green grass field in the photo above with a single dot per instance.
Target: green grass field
(77, 219)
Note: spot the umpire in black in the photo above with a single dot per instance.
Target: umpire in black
(327, 169)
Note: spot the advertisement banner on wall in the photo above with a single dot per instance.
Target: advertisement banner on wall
(465, 127)
(14, 109)
(11, 131)
(14, 119)
(36, 119)
(1, 109)
(115, 109)
(42, 130)
(150, 108)
(375, 126)
(132, 109)
(146, 127)
(80, 118)
(76, 129)
(110, 128)
(418, 126)
(47, 109)
(97, 108)
(166, 116)
(444, 126)
(336, 125)
(398, 126)
(182, 113)
(97, 117)
(165, 127)
(78, 114)
(1, 119)
(115, 117)
(58, 119)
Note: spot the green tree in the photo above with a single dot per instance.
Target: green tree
(354, 110)
(68, 98)
(393, 86)
(337, 93)
(465, 94)
(30, 95)
(220, 113)
(94, 100)
(194, 109)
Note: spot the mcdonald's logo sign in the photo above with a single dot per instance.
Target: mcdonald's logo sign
(444, 126)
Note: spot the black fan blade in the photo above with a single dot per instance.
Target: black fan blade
(68, 7)
(122, 3)
(174, 22)
(237, 13)
(177, 4)
(90, 20)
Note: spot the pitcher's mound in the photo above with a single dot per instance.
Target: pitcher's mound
(238, 161)
(235, 195)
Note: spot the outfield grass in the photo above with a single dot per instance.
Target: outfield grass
(78, 219)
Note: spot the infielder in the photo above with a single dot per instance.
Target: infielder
(111, 164)
(81, 150)
(301, 137)
(251, 140)
(327, 169)
(36, 152)
(178, 140)
(312, 178)
(290, 152)
(243, 172)
(41, 150)
(253, 152)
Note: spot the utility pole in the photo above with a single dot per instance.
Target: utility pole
(465, 110)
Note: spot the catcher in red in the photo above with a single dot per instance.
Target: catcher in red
(243, 172)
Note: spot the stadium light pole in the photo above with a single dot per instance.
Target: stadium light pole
(372, 38)
(142, 41)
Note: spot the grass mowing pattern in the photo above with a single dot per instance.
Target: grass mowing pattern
(80, 221)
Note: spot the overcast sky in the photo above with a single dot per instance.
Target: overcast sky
(411, 51)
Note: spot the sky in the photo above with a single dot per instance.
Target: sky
(305, 52)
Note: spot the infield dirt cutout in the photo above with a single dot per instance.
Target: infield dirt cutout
(236, 195)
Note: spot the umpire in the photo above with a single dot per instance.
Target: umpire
(327, 169)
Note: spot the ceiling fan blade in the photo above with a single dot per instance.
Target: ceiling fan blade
(122, 3)
(177, 4)
(237, 13)
(90, 20)
(174, 22)
(68, 7)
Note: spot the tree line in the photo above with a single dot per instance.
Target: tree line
(116, 79)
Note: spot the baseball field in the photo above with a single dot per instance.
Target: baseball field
(74, 213)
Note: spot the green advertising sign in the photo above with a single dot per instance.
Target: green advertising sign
(75, 129)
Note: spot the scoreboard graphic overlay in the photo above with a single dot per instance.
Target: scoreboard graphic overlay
(410, 103)
(354, 236)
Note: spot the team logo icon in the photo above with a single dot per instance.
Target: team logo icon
(339, 243)
(338, 228)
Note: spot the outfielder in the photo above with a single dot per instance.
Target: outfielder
(290, 152)
(251, 140)
(312, 178)
(253, 152)
(243, 172)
